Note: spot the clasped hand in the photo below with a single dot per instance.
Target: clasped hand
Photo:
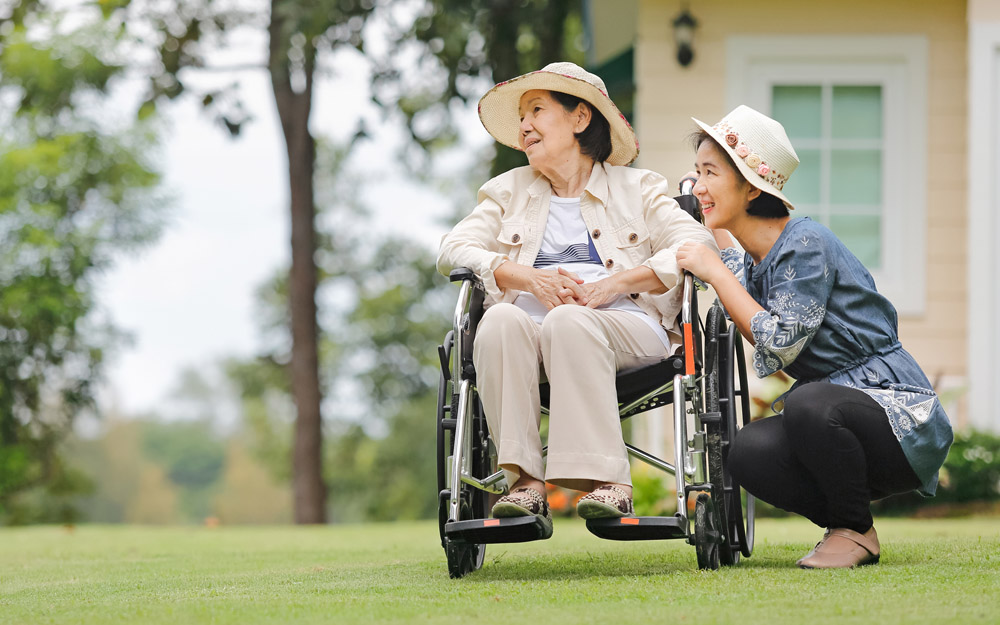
(555, 288)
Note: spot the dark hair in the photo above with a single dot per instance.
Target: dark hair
(764, 205)
(595, 139)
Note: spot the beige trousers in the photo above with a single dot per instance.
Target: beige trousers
(581, 349)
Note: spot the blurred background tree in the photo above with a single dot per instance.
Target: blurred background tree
(456, 41)
(385, 311)
(297, 32)
(463, 47)
(349, 330)
(370, 344)
(76, 191)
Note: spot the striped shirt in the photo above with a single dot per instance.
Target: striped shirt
(566, 243)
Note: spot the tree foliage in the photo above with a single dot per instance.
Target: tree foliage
(469, 45)
(297, 32)
(75, 191)
(386, 309)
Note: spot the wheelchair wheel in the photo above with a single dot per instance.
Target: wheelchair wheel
(736, 415)
(707, 540)
(462, 557)
(727, 396)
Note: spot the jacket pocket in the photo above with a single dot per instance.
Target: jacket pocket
(632, 239)
(511, 238)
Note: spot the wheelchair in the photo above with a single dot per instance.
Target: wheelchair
(706, 383)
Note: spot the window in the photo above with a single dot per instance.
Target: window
(837, 131)
(854, 109)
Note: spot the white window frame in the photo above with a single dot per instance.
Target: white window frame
(984, 225)
(898, 64)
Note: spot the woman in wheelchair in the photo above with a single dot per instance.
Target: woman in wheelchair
(861, 422)
(577, 255)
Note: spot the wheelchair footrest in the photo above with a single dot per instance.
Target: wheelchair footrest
(486, 531)
(638, 528)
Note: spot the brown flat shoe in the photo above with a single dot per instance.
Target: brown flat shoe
(522, 501)
(842, 548)
(606, 502)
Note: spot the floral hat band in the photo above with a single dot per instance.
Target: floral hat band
(751, 158)
(758, 146)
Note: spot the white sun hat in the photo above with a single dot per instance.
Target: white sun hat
(759, 147)
(498, 109)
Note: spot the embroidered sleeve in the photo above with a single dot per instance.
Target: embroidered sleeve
(734, 260)
(796, 305)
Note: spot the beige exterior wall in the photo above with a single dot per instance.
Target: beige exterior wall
(668, 95)
(610, 42)
(984, 11)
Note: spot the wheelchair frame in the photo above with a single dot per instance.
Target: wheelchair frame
(706, 383)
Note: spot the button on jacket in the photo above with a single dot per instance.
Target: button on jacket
(630, 212)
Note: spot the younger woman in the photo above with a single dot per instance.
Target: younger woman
(861, 422)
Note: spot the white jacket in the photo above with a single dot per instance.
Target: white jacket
(630, 214)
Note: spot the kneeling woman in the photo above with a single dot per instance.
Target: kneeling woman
(861, 421)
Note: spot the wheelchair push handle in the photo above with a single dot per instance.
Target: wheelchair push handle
(687, 200)
(686, 185)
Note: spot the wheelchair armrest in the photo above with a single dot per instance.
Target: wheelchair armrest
(469, 311)
(460, 274)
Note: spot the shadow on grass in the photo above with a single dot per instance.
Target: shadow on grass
(503, 566)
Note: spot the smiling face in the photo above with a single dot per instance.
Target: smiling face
(548, 130)
(723, 193)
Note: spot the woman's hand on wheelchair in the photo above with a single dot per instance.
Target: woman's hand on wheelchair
(700, 260)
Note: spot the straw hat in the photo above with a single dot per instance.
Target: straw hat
(759, 147)
(498, 109)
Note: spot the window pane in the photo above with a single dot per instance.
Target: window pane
(855, 176)
(799, 109)
(857, 112)
(812, 211)
(862, 235)
(803, 185)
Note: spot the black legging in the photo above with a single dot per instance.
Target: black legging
(827, 457)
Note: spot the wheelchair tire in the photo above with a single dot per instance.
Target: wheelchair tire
(707, 539)
(463, 558)
(740, 504)
(724, 364)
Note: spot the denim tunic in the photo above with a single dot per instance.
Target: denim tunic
(824, 321)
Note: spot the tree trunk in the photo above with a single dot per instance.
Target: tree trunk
(309, 490)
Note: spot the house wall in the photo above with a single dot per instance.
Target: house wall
(610, 42)
(984, 10)
(984, 208)
(669, 95)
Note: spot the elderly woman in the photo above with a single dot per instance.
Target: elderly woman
(862, 421)
(577, 254)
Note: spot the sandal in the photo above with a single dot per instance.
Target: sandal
(522, 501)
(606, 502)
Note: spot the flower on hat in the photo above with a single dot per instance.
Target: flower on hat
(768, 153)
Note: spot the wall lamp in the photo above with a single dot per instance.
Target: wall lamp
(684, 25)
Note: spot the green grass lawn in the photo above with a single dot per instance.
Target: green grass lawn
(932, 571)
